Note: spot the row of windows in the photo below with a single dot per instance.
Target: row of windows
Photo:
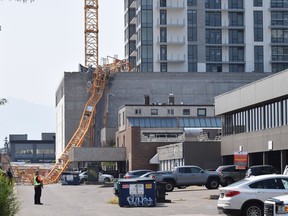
(263, 117)
(200, 112)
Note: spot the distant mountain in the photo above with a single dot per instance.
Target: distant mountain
(22, 117)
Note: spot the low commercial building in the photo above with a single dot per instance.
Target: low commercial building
(32, 151)
(255, 121)
(142, 128)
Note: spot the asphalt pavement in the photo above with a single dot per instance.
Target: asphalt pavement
(86, 200)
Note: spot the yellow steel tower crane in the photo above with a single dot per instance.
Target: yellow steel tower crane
(91, 33)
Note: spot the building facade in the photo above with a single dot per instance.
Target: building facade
(32, 151)
(145, 127)
(255, 121)
(130, 88)
(206, 36)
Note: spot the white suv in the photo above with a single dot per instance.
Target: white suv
(276, 206)
(246, 197)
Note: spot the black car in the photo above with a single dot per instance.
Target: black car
(230, 174)
(260, 170)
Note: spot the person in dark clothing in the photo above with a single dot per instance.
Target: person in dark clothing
(38, 185)
(9, 175)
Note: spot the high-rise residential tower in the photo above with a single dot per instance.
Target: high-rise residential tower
(207, 35)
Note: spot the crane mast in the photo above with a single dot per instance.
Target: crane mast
(91, 33)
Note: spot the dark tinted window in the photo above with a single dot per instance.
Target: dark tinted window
(229, 169)
(268, 184)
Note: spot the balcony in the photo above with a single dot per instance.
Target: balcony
(176, 58)
(172, 41)
(171, 23)
(172, 5)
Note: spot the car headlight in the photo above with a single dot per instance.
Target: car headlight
(282, 209)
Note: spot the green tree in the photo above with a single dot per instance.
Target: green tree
(9, 204)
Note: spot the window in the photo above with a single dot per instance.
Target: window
(236, 36)
(192, 25)
(163, 52)
(163, 34)
(213, 19)
(191, 2)
(154, 111)
(192, 58)
(213, 36)
(235, 4)
(186, 111)
(236, 19)
(137, 111)
(212, 4)
(236, 54)
(163, 67)
(170, 111)
(163, 17)
(201, 112)
(214, 54)
(214, 68)
(257, 3)
(258, 26)
(162, 3)
(258, 59)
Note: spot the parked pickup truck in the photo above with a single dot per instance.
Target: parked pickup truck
(183, 176)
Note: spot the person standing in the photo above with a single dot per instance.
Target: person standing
(10, 176)
(38, 185)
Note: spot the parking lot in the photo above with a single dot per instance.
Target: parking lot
(85, 200)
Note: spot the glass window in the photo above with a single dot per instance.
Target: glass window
(213, 36)
(236, 54)
(214, 54)
(163, 67)
(258, 26)
(213, 4)
(236, 36)
(186, 111)
(235, 4)
(170, 111)
(201, 112)
(192, 58)
(214, 68)
(191, 2)
(162, 3)
(163, 34)
(192, 25)
(258, 59)
(163, 52)
(163, 17)
(213, 19)
(236, 19)
(257, 3)
(137, 111)
(154, 111)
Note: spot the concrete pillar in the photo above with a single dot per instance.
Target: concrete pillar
(283, 155)
(265, 158)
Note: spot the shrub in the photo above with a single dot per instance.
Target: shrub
(9, 204)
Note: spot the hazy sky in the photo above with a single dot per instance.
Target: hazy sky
(41, 40)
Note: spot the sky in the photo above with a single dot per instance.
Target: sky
(40, 41)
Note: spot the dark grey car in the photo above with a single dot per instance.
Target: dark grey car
(230, 174)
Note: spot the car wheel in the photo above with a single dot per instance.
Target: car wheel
(212, 183)
(253, 209)
(106, 180)
(169, 186)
